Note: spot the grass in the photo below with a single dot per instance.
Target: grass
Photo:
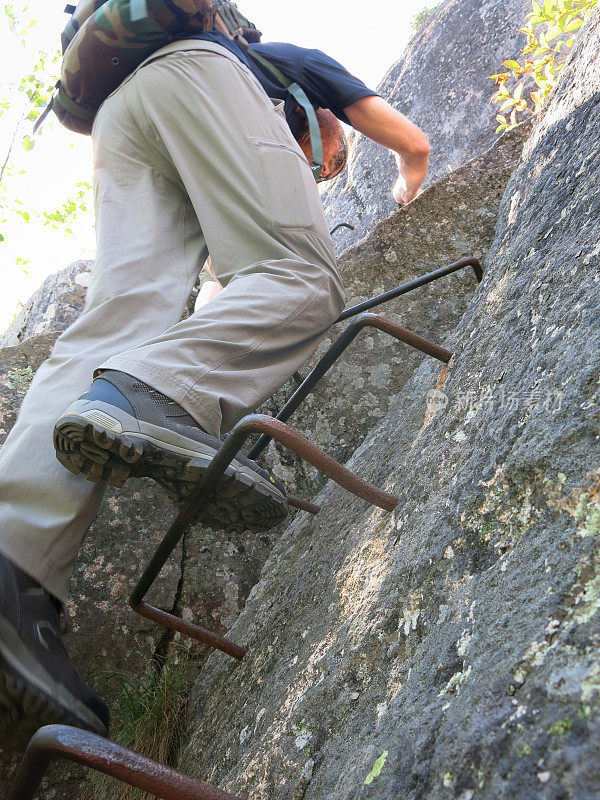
(422, 18)
(149, 718)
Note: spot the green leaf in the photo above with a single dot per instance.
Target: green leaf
(507, 104)
(519, 91)
(553, 33)
(12, 18)
(536, 7)
(574, 25)
(28, 143)
(510, 64)
(2, 239)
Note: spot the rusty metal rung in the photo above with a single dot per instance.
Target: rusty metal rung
(299, 444)
(362, 319)
(337, 349)
(81, 747)
(189, 629)
(303, 505)
(255, 423)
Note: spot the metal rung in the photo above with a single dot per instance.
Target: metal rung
(303, 505)
(255, 423)
(339, 347)
(416, 284)
(71, 744)
(341, 225)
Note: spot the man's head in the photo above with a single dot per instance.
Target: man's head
(333, 138)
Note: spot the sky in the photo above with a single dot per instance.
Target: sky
(366, 45)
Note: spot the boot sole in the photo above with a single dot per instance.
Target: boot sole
(90, 443)
(30, 698)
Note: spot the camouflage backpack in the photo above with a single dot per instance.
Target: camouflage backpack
(105, 40)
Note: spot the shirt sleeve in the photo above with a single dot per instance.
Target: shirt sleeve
(330, 85)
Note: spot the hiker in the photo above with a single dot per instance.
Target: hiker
(191, 156)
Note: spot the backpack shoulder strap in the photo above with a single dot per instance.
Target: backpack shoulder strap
(138, 9)
(301, 98)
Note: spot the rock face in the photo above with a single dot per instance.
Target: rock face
(441, 84)
(450, 649)
(56, 304)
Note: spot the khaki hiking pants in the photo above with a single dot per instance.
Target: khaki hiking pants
(190, 157)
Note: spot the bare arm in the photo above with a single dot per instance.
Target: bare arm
(382, 123)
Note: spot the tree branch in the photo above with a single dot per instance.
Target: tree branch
(13, 140)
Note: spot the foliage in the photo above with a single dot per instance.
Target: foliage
(550, 29)
(37, 85)
(149, 719)
(24, 100)
(423, 17)
(68, 211)
(30, 94)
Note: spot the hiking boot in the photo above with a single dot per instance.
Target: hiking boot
(122, 428)
(38, 684)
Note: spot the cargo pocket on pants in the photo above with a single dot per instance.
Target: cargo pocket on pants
(286, 185)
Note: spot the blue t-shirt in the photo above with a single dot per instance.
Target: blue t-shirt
(326, 82)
